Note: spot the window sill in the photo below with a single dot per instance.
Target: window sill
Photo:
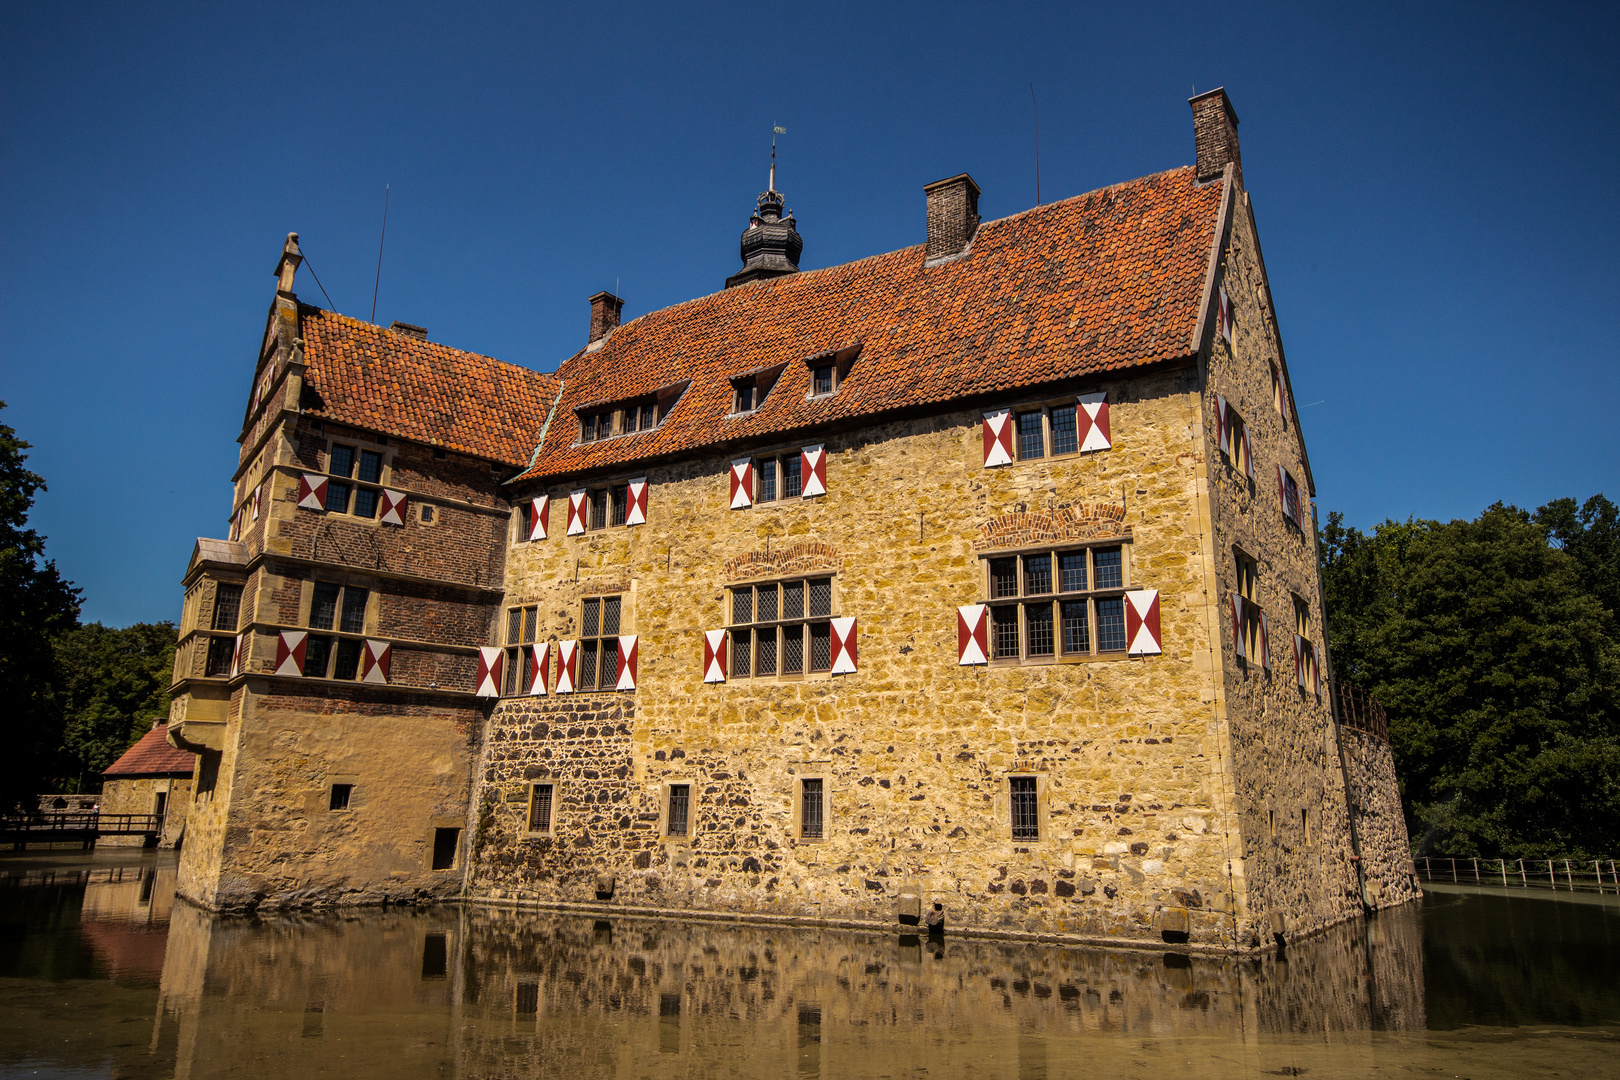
(530, 834)
(1055, 661)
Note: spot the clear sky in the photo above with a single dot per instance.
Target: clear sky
(1436, 190)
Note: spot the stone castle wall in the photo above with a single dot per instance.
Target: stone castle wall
(1375, 800)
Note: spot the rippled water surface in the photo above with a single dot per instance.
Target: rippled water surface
(102, 974)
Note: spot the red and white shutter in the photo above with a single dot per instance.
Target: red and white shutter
(567, 666)
(375, 661)
(1224, 314)
(239, 655)
(1248, 453)
(813, 469)
(1142, 623)
(1092, 416)
(392, 507)
(1237, 626)
(488, 683)
(843, 646)
(635, 510)
(258, 500)
(1299, 661)
(972, 635)
(311, 491)
(998, 448)
(627, 663)
(576, 512)
(1265, 642)
(714, 656)
(539, 660)
(1316, 674)
(539, 516)
(742, 484)
(1223, 434)
(1282, 491)
(290, 646)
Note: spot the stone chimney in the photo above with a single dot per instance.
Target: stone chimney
(1215, 135)
(953, 215)
(604, 315)
(287, 268)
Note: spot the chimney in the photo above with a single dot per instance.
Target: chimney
(1215, 135)
(288, 266)
(604, 315)
(953, 215)
(418, 332)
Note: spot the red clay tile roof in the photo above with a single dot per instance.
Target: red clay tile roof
(1095, 284)
(152, 756)
(382, 380)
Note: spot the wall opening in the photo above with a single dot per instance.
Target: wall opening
(445, 842)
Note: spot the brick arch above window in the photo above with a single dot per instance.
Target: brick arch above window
(811, 558)
(1082, 521)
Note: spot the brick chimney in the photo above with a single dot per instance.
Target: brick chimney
(409, 330)
(1215, 135)
(604, 315)
(953, 215)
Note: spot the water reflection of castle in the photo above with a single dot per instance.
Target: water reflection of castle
(480, 992)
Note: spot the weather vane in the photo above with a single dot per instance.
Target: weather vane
(776, 130)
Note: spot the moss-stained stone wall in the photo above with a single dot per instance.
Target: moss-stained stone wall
(1375, 800)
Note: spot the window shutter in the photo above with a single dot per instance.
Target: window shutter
(258, 499)
(1224, 314)
(1142, 623)
(1282, 491)
(240, 655)
(576, 512)
(843, 646)
(635, 512)
(1299, 661)
(539, 660)
(742, 484)
(1316, 674)
(714, 656)
(627, 663)
(311, 491)
(1223, 434)
(1095, 434)
(567, 666)
(488, 683)
(998, 438)
(375, 661)
(1248, 453)
(290, 646)
(392, 508)
(539, 517)
(972, 635)
(1265, 643)
(1237, 626)
(813, 468)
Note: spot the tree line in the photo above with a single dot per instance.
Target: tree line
(1493, 647)
(76, 695)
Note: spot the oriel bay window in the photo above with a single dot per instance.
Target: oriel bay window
(781, 627)
(341, 608)
(227, 613)
(1057, 605)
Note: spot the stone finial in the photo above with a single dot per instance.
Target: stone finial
(287, 267)
(1215, 136)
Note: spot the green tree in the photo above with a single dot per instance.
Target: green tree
(1500, 673)
(1590, 535)
(35, 605)
(114, 683)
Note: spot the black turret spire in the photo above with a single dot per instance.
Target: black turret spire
(771, 244)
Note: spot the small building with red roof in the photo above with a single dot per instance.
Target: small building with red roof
(151, 777)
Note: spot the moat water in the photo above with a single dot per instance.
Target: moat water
(104, 974)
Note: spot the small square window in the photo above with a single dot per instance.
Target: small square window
(822, 380)
(341, 460)
(370, 467)
(339, 798)
(337, 498)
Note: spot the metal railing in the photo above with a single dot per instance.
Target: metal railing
(1360, 711)
(1562, 875)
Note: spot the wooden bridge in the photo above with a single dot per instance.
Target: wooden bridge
(72, 826)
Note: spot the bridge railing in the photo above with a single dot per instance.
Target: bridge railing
(74, 821)
(1562, 875)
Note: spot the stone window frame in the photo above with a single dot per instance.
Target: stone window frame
(1239, 454)
(427, 514)
(518, 649)
(1004, 806)
(532, 788)
(666, 788)
(1046, 408)
(351, 483)
(1277, 391)
(200, 600)
(820, 772)
(1021, 600)
(1302, 627)
(810, 621)
(602, 642)
(335, 634)
(1247, 570)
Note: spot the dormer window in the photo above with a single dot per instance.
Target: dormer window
(828, 370)
(601, 421)
(748, 391)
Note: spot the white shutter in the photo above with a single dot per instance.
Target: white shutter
(1092, 418)
(843, 646)
(998, 449)
(742, 484)
(813, 471)
(972, 634)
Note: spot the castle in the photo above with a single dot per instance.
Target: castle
(979, 574)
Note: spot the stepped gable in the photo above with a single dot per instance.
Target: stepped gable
(1100, 283)
(152, 756)
(386, 381)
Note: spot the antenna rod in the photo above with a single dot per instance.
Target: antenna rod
(1037, 109)
(378, 283)
(776, 129)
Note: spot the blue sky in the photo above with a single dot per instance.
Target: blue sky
(1435, 189)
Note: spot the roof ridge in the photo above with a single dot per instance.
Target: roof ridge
(418, 342)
